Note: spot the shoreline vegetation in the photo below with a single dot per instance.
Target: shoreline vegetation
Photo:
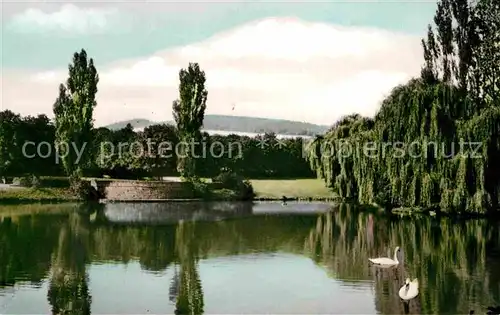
(37, 195)
(297, 191)
(264, 190)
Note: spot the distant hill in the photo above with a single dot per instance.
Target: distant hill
(136, 123)
(239, 124)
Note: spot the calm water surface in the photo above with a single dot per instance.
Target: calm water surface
(229, 258)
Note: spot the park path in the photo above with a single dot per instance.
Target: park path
(8, 186)
(172, 179)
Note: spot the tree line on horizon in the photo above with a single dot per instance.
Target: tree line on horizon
(456, 99)
(277, 159)
(238, 124)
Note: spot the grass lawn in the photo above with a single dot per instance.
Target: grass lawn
(35, 195)
(291, 188)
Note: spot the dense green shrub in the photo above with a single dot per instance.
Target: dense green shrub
(27, 181)
(232, 181)
(245, 190)
(55, 182)
(83, 189)
(201, 190)
(227, 179)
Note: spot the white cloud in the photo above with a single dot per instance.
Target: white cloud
(281, 68)
(361, 93)
(69, 18)
(150, 72)
(292, 39)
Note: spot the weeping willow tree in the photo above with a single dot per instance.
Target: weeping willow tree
(434, 142)
(334, 156)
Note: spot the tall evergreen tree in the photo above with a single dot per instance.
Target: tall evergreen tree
(73, 111)
(188, 113)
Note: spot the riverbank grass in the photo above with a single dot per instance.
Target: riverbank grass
(54, 190)
(19, 195)
(291, 188)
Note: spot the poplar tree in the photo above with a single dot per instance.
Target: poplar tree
(188, 113)
(73, 111)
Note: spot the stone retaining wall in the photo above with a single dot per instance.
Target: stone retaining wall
(141, 190)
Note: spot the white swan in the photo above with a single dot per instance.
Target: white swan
(385, 261)
(409, 290)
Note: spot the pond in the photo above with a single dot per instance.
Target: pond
(228, 258)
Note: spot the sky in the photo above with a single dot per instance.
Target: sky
(308, 61)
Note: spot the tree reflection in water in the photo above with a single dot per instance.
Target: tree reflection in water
(174, 286)
(448, 258)
(190, 296)
(455, 262)
(68, 290)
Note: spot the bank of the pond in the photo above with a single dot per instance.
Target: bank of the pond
(16, 210)
(142, 190)
(299, 189)
(36, 195)
(301, 199)
(148, 200)
(408, 212)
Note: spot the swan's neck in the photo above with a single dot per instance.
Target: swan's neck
(396, 256)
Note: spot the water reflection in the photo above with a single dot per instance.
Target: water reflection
(457, 263)
(68, 290)
(189, 299)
